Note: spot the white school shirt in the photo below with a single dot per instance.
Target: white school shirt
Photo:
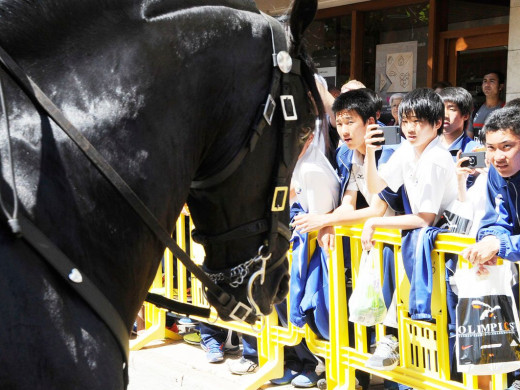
(430, 180)
(358, 182)
(315, 181)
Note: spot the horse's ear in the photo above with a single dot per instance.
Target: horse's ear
(302, 15)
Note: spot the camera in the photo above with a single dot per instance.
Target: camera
(476, 160)
(392, 135)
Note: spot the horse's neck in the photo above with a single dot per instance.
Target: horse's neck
(143, 114)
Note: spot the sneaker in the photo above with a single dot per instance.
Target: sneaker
(187, 325)
(214, 353)
(242, 366)
(288, 376)
(306, 379)
(514, 386)
(386, 355)
(187, 321)
(192, 338)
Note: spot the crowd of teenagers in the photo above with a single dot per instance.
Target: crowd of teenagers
(347, 175)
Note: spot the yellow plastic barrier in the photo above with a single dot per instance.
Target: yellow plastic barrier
(423, 346)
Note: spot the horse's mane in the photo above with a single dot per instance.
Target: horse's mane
(27, 25)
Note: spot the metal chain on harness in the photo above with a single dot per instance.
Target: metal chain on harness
(236, 275)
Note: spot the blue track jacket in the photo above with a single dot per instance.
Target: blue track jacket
(416, 248)
(463, 143)
(501, 218)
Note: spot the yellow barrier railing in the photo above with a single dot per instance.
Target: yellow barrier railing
(423, 346)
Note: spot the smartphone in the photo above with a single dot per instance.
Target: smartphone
(476, 160)
(391, 134)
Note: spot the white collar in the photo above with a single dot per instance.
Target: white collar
(358, 158)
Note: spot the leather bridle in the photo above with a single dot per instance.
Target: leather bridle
(282, 79)
(286, 73)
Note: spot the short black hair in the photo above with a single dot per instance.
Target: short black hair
(358, 100)
(507, 118)
(425, 104)
(500, 75)
(378, 102)
(460, 97)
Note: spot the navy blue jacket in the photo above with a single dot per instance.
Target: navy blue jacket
(501, 218)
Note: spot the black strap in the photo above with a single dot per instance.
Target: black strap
(176, 306)
(83, 286)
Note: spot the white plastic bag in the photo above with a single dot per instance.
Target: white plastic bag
(366, 304)
(487, 322)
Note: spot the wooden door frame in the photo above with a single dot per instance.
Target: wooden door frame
(454, 41)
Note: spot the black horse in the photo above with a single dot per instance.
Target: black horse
(169, 92)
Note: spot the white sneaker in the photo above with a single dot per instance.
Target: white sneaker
(386, 355)
(242, 366)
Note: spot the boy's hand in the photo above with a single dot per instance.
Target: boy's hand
(326, 239)
(306, 223)
(483, 252)
(463, 171)
(367, 235)
(373, 135)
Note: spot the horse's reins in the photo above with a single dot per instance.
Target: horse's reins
(67, 269)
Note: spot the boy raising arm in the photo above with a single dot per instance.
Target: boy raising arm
(421, 163)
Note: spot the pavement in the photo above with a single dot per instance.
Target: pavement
(175, 364)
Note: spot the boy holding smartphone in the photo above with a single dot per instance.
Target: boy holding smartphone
(426, 171)
(421, 164)
(355, 114)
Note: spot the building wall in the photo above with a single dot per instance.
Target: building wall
(513, 59)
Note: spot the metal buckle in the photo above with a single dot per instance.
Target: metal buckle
(269, 108)
(284, 99)
(239, 306)
(277, 206)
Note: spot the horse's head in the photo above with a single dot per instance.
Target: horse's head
(241, 209)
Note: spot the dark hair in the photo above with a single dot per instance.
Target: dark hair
(513, 103)
(507, 118)
(358, 100)
(378, 102)
(425, 104)
(460, 97)
(500, 75)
